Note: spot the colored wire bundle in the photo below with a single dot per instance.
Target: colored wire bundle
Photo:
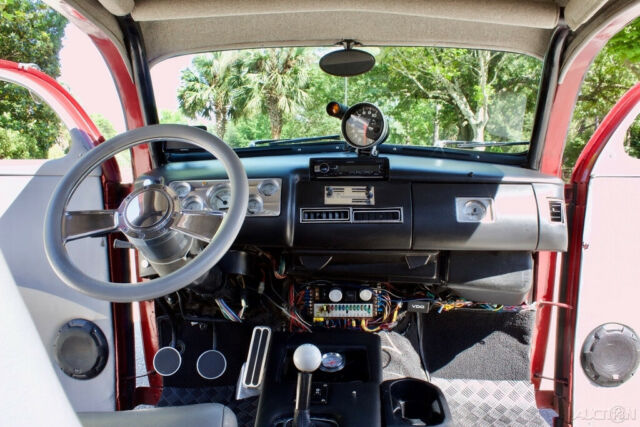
(226, 311)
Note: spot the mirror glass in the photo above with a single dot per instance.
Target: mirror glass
(346, 63)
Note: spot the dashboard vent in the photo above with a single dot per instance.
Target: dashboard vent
(325, 215)
(555, 210)
(377, 215)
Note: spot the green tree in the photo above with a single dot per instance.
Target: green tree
(208, 88)
(175, 117)
(274, 82)
(104, 125)
(613, 72)
(465, 80)
(30, 32)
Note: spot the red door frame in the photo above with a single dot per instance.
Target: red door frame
(127, 396)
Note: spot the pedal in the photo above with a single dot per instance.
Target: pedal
(211, 364)
(167, 361)
(257, 357)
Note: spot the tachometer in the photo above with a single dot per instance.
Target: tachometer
(364, 126)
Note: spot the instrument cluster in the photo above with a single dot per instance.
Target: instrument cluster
(264, 195)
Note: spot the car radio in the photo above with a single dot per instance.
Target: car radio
(349, 168)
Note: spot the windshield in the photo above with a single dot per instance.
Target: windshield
(463, 99)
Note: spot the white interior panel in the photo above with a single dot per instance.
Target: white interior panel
(23, 203)
(609, 277)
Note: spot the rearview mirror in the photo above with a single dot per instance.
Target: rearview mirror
(347, 63)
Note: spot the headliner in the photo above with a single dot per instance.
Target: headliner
(170, 28)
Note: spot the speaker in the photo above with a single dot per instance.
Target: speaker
(610, 354)
(211, 364)
(167, 361)
(80, 349)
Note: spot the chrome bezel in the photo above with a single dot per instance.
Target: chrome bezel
(264, 183)
(258, 199)
(190, 199)
(159, 227)
(213, 190)
(180, 184)
(335, 356)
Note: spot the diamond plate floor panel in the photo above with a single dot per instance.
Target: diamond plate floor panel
(490, 403)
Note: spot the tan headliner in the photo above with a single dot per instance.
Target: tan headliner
(172, 28)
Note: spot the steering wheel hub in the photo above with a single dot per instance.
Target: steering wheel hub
(147, 208)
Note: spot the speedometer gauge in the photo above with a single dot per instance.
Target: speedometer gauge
(364, 126)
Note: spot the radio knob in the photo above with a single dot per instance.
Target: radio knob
(335, 295)
(324, 168)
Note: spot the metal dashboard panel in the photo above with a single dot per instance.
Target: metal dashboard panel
(268, 203)
(437, 225)
(350, 234)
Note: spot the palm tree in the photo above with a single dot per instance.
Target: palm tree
(209, 87)
(274, 83)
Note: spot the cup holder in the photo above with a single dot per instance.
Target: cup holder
(414, 402)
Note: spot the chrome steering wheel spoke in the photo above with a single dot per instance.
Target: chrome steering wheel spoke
(95, 223)
(201, 225)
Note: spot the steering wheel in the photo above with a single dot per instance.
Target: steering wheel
(150, 217)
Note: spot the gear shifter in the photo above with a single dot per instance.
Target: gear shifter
(307, 359)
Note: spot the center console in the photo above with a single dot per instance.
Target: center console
(346, 385)
(346, 391)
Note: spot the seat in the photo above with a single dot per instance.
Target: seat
(32, 395)
(203, 414)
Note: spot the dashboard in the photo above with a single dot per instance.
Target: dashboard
(468, 225)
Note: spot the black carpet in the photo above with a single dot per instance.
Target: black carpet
(475, 344)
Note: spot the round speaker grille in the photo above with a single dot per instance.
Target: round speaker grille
(211, 364)
(610, 354)
(81, 349)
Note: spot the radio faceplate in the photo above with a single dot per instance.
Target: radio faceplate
(349, 168)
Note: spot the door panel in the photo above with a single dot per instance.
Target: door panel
(609, 274)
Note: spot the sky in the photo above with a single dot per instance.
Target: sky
(85, 75)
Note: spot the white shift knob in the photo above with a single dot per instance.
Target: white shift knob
(307, 358)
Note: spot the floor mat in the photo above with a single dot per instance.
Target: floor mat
(490, 403)
(399, 358)
(476, 344)
(244, 409)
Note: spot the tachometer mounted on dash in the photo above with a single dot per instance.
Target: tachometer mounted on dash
(364, 126)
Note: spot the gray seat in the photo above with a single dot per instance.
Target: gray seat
(32, 395)
(203, 414)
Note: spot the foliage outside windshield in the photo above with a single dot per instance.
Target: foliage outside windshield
(431, 96)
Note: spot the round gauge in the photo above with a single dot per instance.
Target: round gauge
(332, 362)
(255, 205)
(268, 188)
(193, 203)
(474, 210)
(181, 188)
(364, 126)
(219, 197)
